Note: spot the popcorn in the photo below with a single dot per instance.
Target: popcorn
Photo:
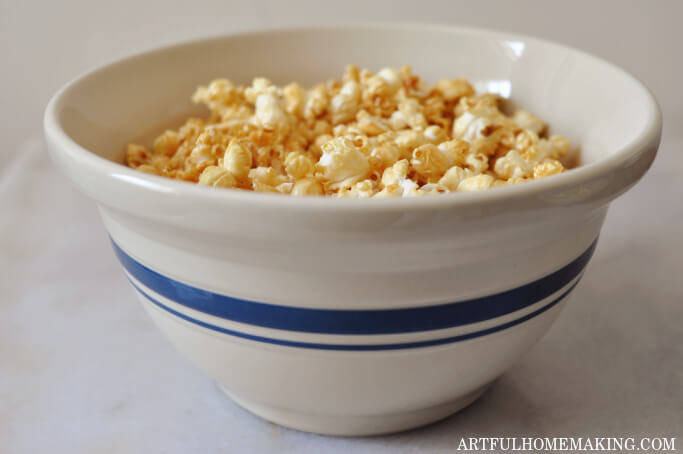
(137, 155)
(410, 110)
(266, 178)
(478, 162)
(452, 90)
(434, 188)
(316, 102)
(453, 176)
(237, 160)
(360, 190)
(512, 165)
(392, 77)
(268, 112)
(429, 162)
(217, 96)
(345, 104)
(469, 127)
(167, 143)
(218, 177)
(527, 121)
(369, 125)
(547, 168)
(393, 190)
(342, 161)
(295, 97)
(298, 165)
(395, 174)
(385, 155)
(202, 155)
(307, 186)
(368, 135)
(476, 183)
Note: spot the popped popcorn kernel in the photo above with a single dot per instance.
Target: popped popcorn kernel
(217, 177)
(512, 165)
(167, 143)
(393, 190)
(316, 102)
(453, 90)
(360, 190)
(476, 183)
(295, 98)
(365, 135)
(527, 121)
(453, 176)
(395, 174)
(202, 155)
(307, 186)
(342, 161)
(137, 155)
(266, 177)
(345, 104)
(547, 168)
(237, 160)
(430, 162)
(298, 165)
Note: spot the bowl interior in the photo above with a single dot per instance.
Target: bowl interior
(598, 106)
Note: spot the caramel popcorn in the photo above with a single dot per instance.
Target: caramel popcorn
(367, 135)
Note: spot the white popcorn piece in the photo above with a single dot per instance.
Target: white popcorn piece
(512, 165)
(342, 161)
(469, 127)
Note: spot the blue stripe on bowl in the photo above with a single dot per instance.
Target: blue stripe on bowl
(341, 321)
(362, 347)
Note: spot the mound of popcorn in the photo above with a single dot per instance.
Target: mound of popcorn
(384, 134)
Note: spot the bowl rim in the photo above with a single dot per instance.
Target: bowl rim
(633, 151)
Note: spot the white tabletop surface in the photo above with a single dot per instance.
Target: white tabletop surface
(83, 370)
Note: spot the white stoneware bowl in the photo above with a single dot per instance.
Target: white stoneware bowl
(355, 317)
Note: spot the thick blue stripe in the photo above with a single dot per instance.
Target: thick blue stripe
(371, 347)
(339, 321)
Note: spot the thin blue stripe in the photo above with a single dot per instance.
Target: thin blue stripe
(372, 347)
(340, 321)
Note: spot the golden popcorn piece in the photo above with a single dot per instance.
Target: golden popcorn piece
(137, 155)
(266, 177)
(395, 174)
(342, 162)
(393, 190)
(430, 162)
(237, 160)
(298, 165)
(344, 105)
(529, 122)
(454, 89)
(476, 183)
(217, 177)
(316, 102)
(366, 135)
(167, 143)
(512, 165)
(308, 186)
(360, 190)
(547, 168)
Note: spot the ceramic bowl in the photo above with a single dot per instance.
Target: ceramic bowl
(355, 317)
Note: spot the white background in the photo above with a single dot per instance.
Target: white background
(82, 369)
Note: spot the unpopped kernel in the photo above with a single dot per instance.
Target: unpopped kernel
(384, 134)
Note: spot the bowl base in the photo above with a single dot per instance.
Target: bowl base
(355, 425)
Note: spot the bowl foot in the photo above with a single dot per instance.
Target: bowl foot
(355, 425)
